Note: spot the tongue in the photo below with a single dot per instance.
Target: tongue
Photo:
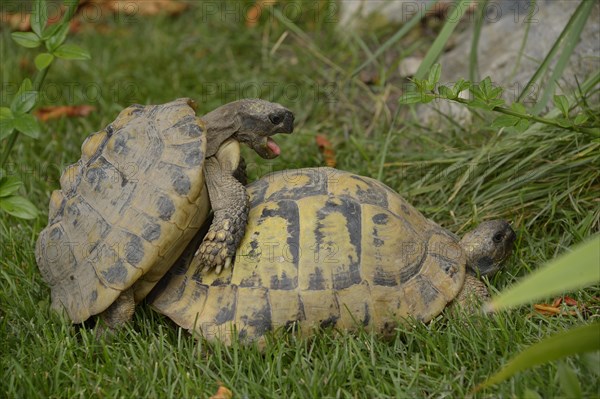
(273, 147)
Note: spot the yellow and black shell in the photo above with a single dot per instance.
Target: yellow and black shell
(126, 209)
(322, 248)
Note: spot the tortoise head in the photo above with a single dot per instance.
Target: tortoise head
(487, 246)
(250, 121)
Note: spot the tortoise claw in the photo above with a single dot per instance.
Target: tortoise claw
(216, 252)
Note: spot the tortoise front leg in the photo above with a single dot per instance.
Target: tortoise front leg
(473, 293)
(229, 202)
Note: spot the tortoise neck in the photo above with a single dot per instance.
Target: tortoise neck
(221, 124)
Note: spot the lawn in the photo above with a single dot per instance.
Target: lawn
(545, 180)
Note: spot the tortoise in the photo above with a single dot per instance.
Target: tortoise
(324, 247)
(143, 187)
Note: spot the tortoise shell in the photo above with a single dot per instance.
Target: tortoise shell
(126, 209)
(322, 248)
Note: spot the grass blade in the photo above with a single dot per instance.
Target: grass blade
(575, 27)
(473, 64)
(576, 269)
(438, 45)
(569, 382)
(546, 62)
(577, 340)
(397, 36)
(532, 9)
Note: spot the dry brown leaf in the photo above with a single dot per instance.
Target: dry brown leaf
(554, 309)
(24, 63)
(570, 301)
(131, 7)
(222, 393)
(54, 112)
(255, 11)
(546, 309)
(327, 150)
(557, 301)
(18, 21)
(22, 22)
(143, 7)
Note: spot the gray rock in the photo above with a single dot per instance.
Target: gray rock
(499, 47)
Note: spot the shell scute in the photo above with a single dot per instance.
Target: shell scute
(253, 312)
(92, 145)
(355, 306)
(322, 310)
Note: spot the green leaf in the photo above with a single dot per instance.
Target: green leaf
(576, 340)
(21, 103)
(57, 38)
(26, 39)
(505, 121)
(434, 76)
(496, 92)
(9, 186)
(486, 87)
(576, 269)
(71, 9)
(478, 103)
(447, 92)
(28, 125)
(496, 103)
(43, 60)
(520, 108)
(569, 382)
(5, 113)
(581, 118)
(461, 86)
(25, 98)
(19, 207)
(50, 31)
(7, 126)
(420, 85)
(478, 94)
(72, 52)
(561, 102)
(39, 16)
(415, 97)
(485, 104)
(26, 85)
(522, 125)
(563, 122)
(427, 98)
(24, 102)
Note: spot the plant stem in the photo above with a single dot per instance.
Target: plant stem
(11, 142)
(531, 117)
(39, 78)
(37, 85)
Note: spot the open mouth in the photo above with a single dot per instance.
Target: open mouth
(267, 148)
(273, 147)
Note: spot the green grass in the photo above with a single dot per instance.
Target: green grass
(546, 181)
